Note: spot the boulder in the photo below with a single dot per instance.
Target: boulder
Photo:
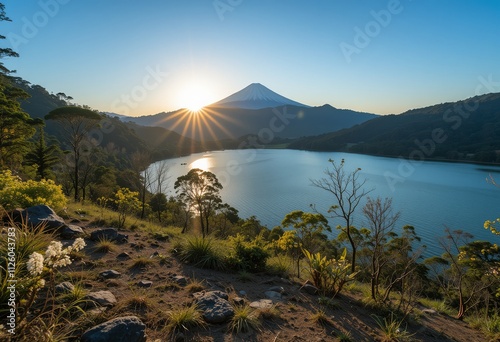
(215, 306)
(64, 287)
(109, 274)
(70, 232)
(38, 215)
(273, 295)
(129, 328)
(100, 298)
(181, 280)
(145, 283)
(110, 234)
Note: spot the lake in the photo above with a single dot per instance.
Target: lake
(430, 195)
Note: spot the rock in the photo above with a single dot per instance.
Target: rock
(129, 329)
(273, 295)
(262, 304)
(108, 234)
(123, 256)
(278, 289)
(215, 306)
(70, 232)
(64, 287)
(311, 289)
(243, 293)
(145, 283)
(429, 311)
(181, 280)
(100, 298)
(109, 274)
(238, 301)
(38, 215)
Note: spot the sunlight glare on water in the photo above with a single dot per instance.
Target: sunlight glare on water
(205, 163)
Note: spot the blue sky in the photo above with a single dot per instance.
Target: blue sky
(142, 57)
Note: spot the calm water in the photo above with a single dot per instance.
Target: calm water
(430, 195)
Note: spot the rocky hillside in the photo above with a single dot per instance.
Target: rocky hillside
(133, 287)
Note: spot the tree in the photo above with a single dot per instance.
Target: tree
(381, 222)
(347, 189)
(43, 156)
(460, 272)
(306, 226)
(16, 126)
(200, 190)
(76, 122)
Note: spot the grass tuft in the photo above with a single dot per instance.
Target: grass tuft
(244, 319)
(183, 319)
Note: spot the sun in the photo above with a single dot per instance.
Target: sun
(194, 96)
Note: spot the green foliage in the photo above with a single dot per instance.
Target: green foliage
(245, 319)
(15, 193)
(126, 202)
(329, 275)
(200, 190)
(249, 256)
(201, 252)
(43, 157)
(392, 329)
(183, 319)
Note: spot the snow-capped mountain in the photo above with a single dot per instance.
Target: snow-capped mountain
(255, 96)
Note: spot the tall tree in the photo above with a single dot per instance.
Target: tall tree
(43, 156)
(200, 189)
(347, 189)
(76, 123)
(16, 126)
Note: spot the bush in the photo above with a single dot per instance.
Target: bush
(201, 252)
(249, 256)
(14, 193)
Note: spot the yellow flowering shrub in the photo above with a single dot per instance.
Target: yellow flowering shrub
(15, 193)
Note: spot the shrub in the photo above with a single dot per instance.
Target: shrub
(183, 319)
(15, 193)
(249, 256)
(244, 319)
(201, 252)
(329, 275)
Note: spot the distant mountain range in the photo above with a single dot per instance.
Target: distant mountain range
(254, 110)
(463, 130)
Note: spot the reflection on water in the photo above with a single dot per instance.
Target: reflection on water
(271, 183)
(205, 164)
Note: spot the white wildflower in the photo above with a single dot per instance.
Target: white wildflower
(61, 262)
(78, 245)
(35, 264)
(54, 251)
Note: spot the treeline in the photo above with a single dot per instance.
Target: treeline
(466, 130)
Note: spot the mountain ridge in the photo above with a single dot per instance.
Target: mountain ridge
(255, 96)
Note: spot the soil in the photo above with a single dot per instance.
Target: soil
(294, 322)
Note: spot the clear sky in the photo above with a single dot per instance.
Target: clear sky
(141, 57)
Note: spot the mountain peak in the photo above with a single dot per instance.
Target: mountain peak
(255, 96)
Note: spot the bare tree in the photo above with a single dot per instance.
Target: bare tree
(347, 189)
(381, 221)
